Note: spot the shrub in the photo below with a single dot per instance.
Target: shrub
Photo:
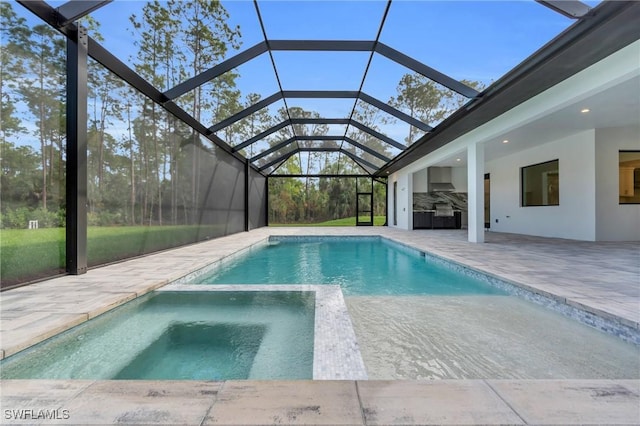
(19, 218)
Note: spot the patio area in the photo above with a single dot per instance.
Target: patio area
(598, 278)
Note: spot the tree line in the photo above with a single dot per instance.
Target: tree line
(145, 167)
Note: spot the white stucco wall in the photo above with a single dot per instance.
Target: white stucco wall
(459, 178)
(421, 181)
(575, 217)
(614, 221)
(405, 200)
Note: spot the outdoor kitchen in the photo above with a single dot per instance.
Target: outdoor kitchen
(440, 198)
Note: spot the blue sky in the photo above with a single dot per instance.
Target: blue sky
(474, 40)
(478, 40)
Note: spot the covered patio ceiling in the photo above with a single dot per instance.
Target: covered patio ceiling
(361, 86)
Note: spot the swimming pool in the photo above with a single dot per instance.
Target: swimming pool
(417, 317)
(183, 335)
(361, 266)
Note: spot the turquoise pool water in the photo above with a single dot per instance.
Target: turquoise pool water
(205, 335)
(361, 266)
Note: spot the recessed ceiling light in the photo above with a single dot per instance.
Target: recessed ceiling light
(585, 110)
(505, 141)
(457, 159)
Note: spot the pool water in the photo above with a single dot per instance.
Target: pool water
(208, 335)
(361, 266)
(415, 318)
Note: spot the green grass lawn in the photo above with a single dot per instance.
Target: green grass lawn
(347, 221)
(27, 254)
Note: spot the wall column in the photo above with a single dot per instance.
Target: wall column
(76, 192)
(475, 181)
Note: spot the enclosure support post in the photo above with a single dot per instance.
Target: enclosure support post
(76, 180)
(247, 181)
(266, 192)
(386, 202)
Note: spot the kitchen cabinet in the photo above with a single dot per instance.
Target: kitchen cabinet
(428, 220)
(422, 220)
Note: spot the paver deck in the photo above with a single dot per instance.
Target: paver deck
(325, 402)
(602, 278)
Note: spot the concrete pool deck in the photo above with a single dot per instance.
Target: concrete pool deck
(601, 278)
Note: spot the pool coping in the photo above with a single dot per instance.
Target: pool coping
(336, 354)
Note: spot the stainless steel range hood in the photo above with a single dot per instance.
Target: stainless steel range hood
(440, 179)
(441, 187)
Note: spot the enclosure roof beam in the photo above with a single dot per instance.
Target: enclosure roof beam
(262, 135)
(572, 9)
(282, 159)
(73, 10)
(395, 112)
(273, 149)
(350, 122)
(322, 45)
(426, 71)
(320, 138)
(216, 71)
(320, 121)
(318, 175)
(341, 150)
(246, 112)
(287, 155)
(377, 134)
(347, 121)
(366, 149)
(360, 161)
(319, 149)
(320, 94)
(332, 138)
